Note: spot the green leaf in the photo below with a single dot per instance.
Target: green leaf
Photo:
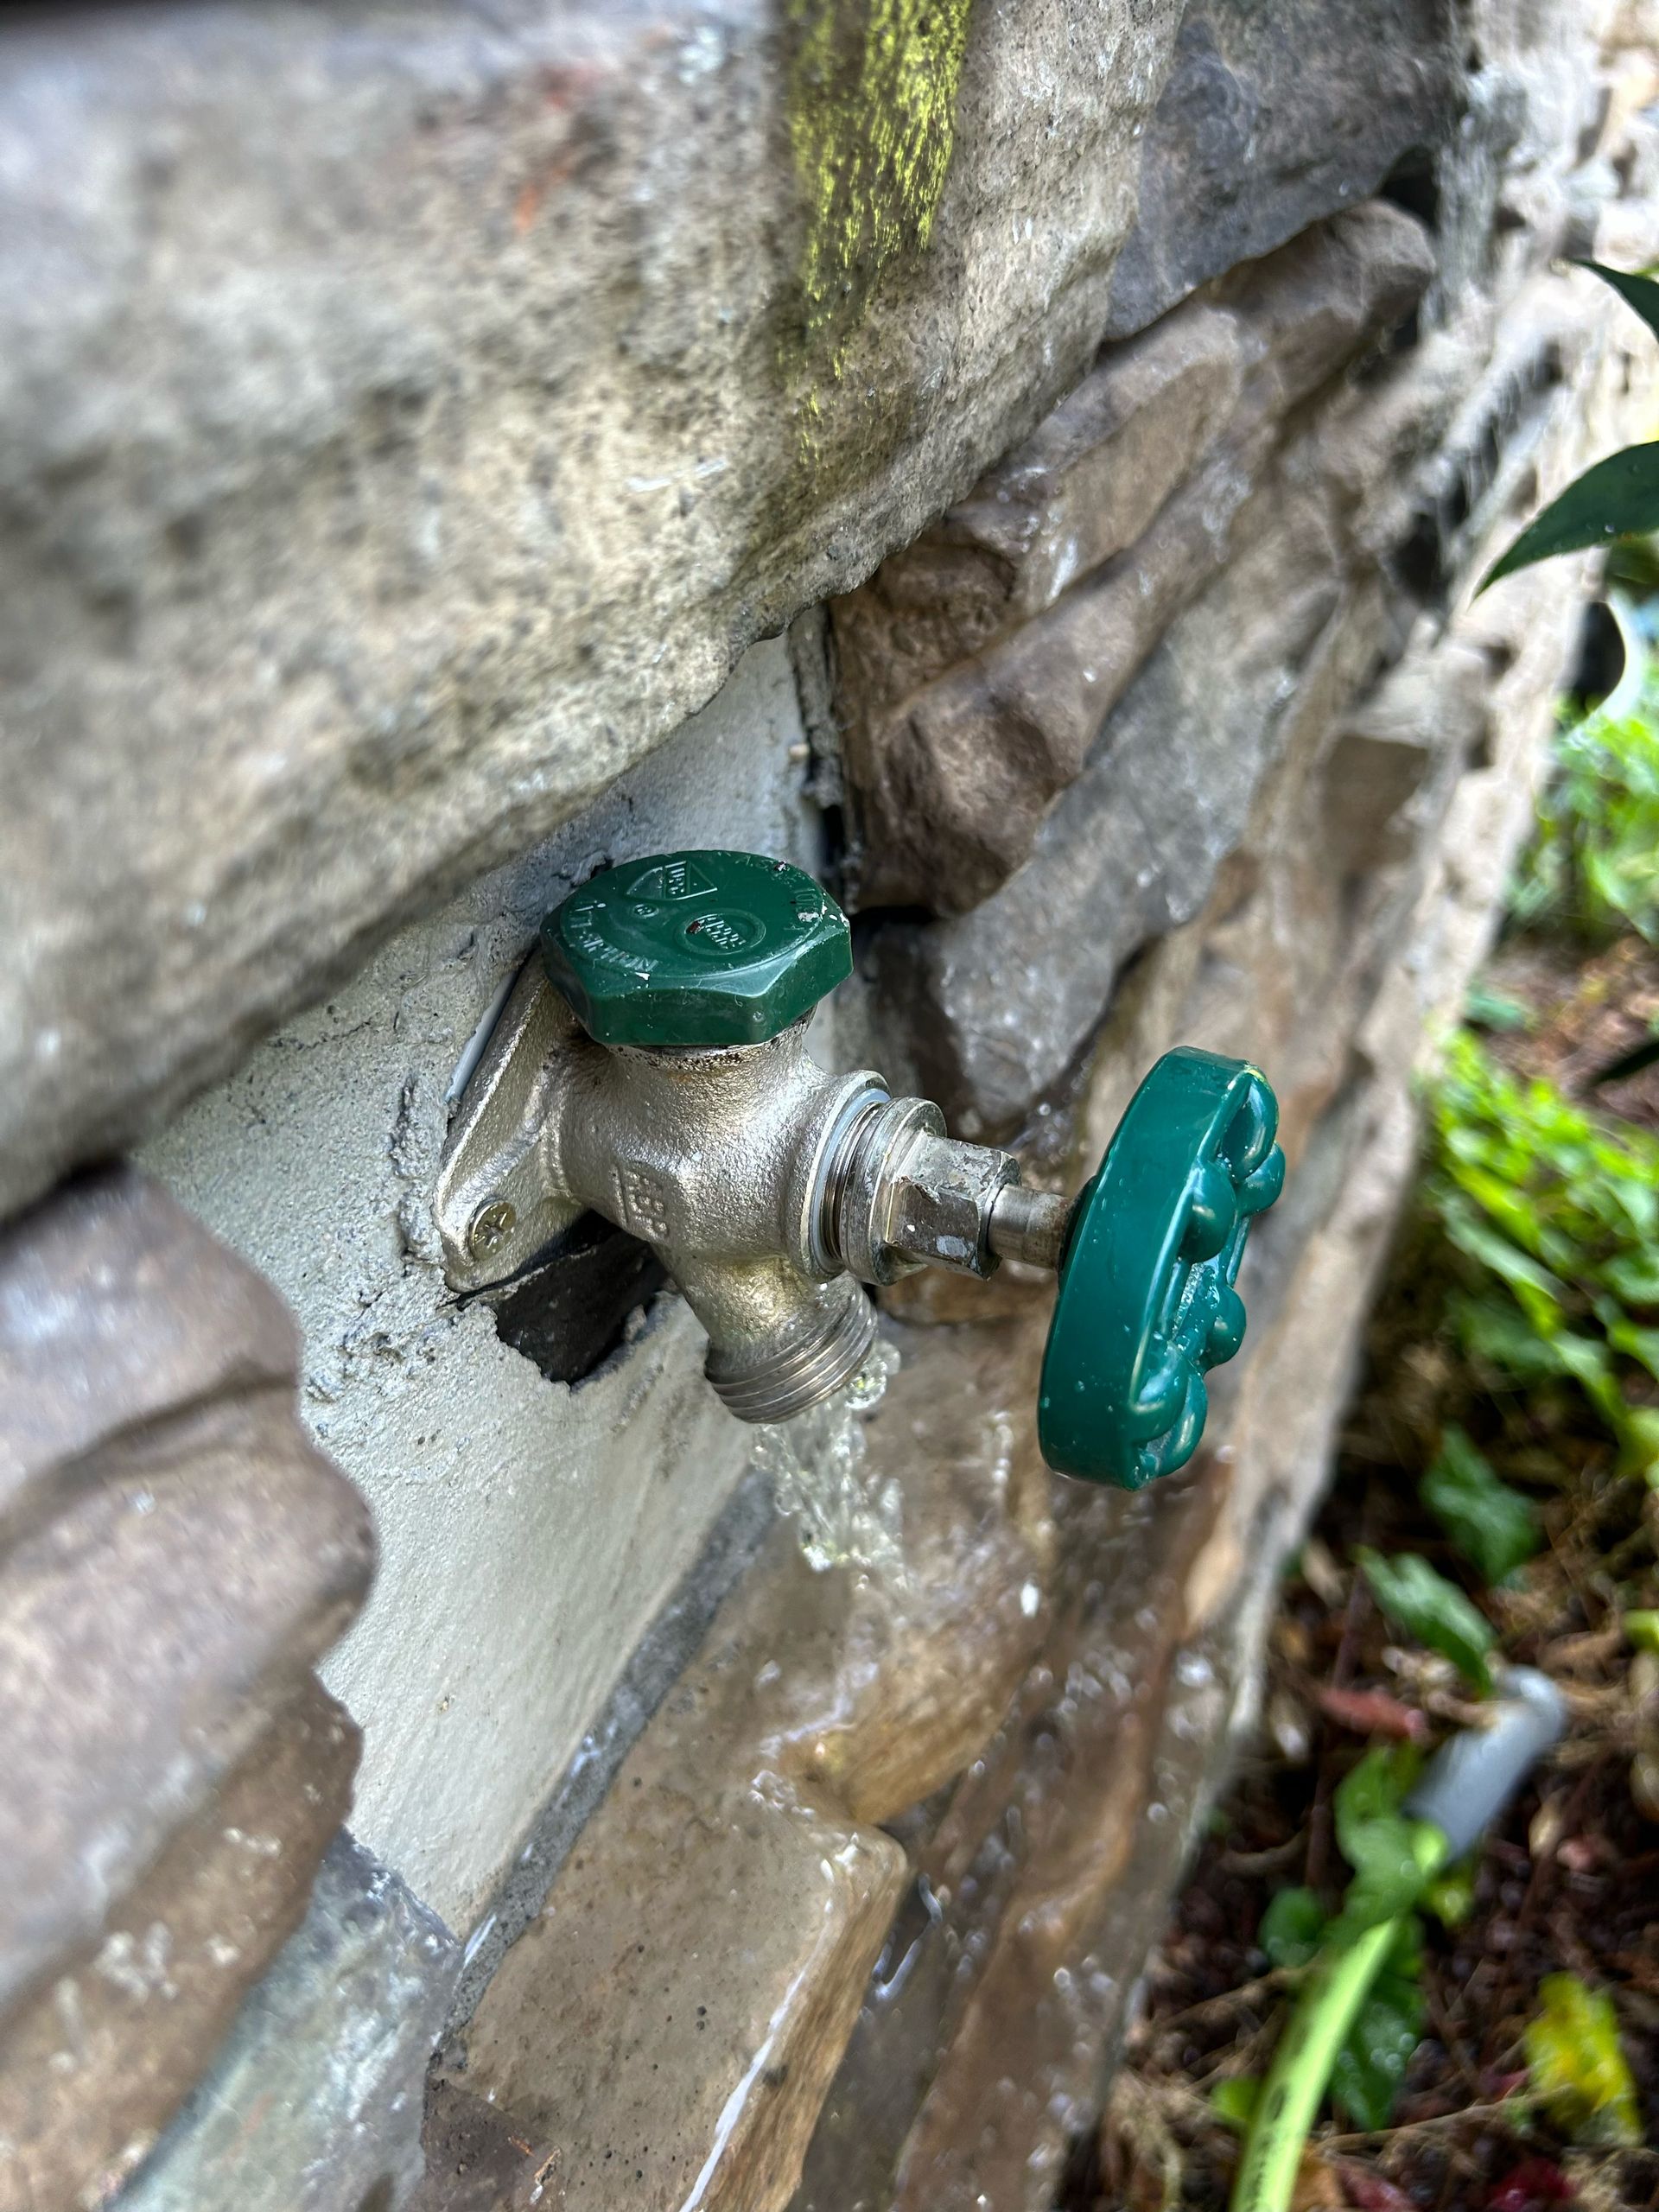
(1234, 2100)
(1641, 1629)
(1493, 1525)
(1639, 1437)
(1489, 1010)
(1378, 1840)
(1373, 1790)
(1451, 1896)
(1587, 1363)
(1580, 2075)
(1505, 1338)
(1636, 1343)
(1538, 1291)
(1370, 2067)
(1425, 1605)
(1505, 1204)
(1619, 497)
(1639, 292)
(1293, 1928)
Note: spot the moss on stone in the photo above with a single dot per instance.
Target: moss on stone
(871, 111)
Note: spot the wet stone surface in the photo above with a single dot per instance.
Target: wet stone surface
(314, 2103)
(95, 2066)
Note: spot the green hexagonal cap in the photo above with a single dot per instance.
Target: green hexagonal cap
(1146, 1305)
(682, 949)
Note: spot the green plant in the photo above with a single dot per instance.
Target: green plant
(1556, 1220)
(1619, 497)
(1385, 1850)
(1493, 1525)
(1593, 864)
(1425, 1605)
(1580, 2075)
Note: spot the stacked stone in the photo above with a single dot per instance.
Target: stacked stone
(174, 1554)
(1059, 705)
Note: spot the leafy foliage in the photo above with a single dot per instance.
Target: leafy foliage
(1376, 1840)
(1580, 2075)
(1619, 497)
(1425, 1605)
(1370, 2067)
(1493, 1525)
(1556, 1218)
(1293, 1928)
(1594, 862)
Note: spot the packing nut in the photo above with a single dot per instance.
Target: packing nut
(905, 1196)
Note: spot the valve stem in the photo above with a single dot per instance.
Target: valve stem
(1029, 1225)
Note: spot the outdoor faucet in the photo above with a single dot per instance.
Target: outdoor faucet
(652, 1067)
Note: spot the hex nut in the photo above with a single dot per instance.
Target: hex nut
(940, 1200)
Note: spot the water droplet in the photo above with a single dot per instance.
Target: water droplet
(817, 1465)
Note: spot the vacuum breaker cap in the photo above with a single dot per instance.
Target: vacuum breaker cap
(694, 950)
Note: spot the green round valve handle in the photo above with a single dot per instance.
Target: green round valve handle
(1146, 1302)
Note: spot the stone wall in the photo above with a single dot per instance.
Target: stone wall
(1046, 451)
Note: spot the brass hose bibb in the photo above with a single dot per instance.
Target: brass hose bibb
(653, 1067)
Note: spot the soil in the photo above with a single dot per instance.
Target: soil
(1586, 1014)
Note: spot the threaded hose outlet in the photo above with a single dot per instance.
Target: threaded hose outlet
(815, 1354)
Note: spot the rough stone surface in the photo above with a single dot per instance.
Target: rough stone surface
(820, 1707)
(957, 736)
(145, 1636)
(1379, 761)
(407, 417)
(314, 2103)
(756, 2008)
(174, 1554)
(94, 2068)
(1349, 524)
(116, 1310)
(991, 1009)
(204, 1554)
(1271, 117)
(1083, 486)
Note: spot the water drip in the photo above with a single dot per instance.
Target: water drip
(816, 1462)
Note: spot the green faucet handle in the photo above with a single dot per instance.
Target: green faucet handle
(1146, 1301)
(695, 950)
